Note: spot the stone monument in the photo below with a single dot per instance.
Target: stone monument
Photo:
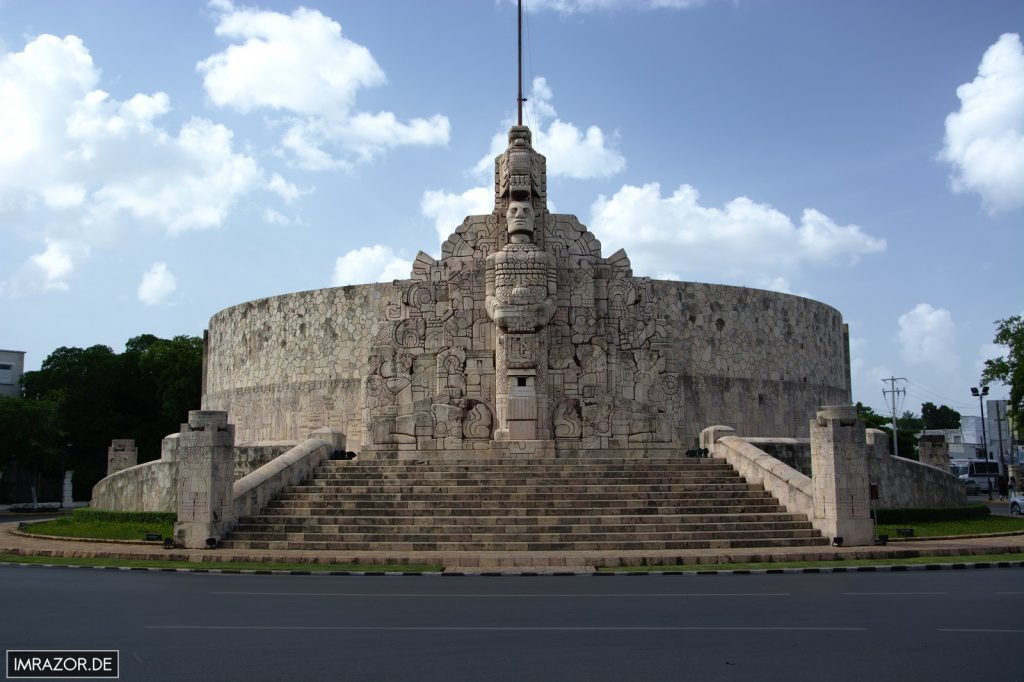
(521, 338)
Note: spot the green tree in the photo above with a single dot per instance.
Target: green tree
(143, 394)
(941, 417)
(30, 437)
(908, 424)
(1009, 368)
(871, 419)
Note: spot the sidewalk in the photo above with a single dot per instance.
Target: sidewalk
(14, 542)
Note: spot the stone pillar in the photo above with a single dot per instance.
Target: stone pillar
(839, 473)
(934, 451)
(121, 454)
(878, 442)
(69, 496)
(206, 468)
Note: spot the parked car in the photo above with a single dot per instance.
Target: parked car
(1017, 503)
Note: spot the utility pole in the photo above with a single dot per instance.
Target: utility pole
(999, 427)
(895, 392)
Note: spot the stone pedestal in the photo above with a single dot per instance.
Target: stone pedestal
(121, 454)
(839, 472)
(68, 499)
(934, 451)
(206, 469)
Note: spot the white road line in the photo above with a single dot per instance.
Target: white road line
(893, 594)
(400, 595)
(983, 630)
(515, 628)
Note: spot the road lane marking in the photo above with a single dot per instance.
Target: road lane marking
(983, 630)
(519, 628)
(894, 594)
(399, 595)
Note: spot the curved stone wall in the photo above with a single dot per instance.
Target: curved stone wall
(758, 360)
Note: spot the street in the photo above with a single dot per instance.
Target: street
(922, 625)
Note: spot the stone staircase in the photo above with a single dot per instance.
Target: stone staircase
(591, 504)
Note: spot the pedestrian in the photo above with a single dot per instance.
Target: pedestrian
(1013, 484)
(1003, 487)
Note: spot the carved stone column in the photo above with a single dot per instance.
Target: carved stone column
(206, 473)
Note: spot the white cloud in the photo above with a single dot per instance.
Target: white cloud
(985, 138)
(448, 209)
(46, 271)
(927, 337)
(371, 264)
(743, 242)
(286, 190)
(580, 6)
(157, 284)
(570, 151)
(55, 263)
(86, 164)
(303, 67)
(274, 217)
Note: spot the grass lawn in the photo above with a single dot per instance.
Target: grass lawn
(218, 565)
(74, 527)
(925, 529)
(847, 563)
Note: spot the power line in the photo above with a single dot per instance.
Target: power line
(944, 399)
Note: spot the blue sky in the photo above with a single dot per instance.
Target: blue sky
(162, 161)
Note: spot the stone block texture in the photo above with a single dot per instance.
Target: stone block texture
(839, 476)
(523, 331)
(206, 469)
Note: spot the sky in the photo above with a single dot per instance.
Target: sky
(161, 161)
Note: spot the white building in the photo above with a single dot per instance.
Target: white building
(12, 366)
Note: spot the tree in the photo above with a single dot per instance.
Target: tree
(30, 438)
(941, 417)
(908, 426)
(143, 394)
(871, 419)
(1009, 368)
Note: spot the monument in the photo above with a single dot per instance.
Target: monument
(521, 337)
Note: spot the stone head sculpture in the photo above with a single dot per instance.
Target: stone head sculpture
(519, 217)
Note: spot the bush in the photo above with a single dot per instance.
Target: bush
(893, 516)
(124, 517)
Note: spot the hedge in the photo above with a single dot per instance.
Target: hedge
(971, 511)
(124, 516)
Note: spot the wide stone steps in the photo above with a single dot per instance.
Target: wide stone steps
(596, 504)
(547, 487)
(296, 523)
(555, 507)
(576, 546)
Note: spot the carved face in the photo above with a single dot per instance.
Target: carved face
(519, 217)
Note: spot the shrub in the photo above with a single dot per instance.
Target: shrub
(124, 517)
(893, 516)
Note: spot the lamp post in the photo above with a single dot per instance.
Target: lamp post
(981, 406)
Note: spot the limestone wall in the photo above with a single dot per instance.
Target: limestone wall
(906, 484)
(758, 360)
(148, 487)
(286, 365)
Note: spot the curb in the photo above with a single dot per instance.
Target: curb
(537, 574)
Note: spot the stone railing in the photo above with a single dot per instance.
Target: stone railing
(252, 493)
(791, 488)
(147, 487)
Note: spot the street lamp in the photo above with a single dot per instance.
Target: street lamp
(984, 444)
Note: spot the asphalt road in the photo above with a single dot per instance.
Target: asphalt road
(942, 625)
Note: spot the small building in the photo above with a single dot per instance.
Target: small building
(12, 366)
